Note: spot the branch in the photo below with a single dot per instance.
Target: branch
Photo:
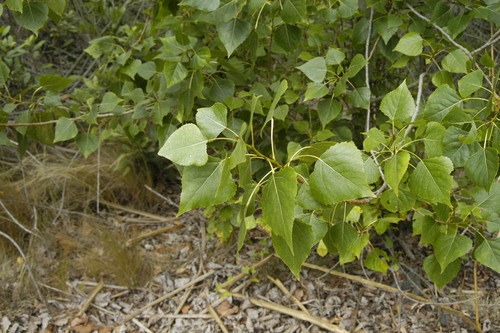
(367, 76)
(495, 38)
(417, 107)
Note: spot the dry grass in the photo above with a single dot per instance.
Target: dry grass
(54, 194)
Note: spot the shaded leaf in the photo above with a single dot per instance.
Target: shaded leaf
(208, 5)
(315, 90)
(87, 143)
(175, 72)
(33, 16)
(374, 261)
(293, 11)
(488, 200)
(328, 109)
(454, 147)
(482, 167)
(54, 82)
(357, 63)
(288, 37)
(441, 278)
(488, 253)
(147, 70)
(233, 33)
(65, 129)
(448, 248)
(360, 97)
(441, 102)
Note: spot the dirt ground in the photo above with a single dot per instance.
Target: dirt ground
(201, 285)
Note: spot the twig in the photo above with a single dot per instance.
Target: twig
(411, 296)
(230, 283)
(141, 326)
(417, 106)
(166, 296)
(217, 319)
(476, 302)
(139, 212)
(161, 196)
(294, 313)
(91, 298)
(282, 287)
(153, 233)
(367, 76)
(30, 273)
(495, 38)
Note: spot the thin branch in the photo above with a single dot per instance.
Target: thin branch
(494, 39)
(367, 75)
(417, 106)
(16, 222)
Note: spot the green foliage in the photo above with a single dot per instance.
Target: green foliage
(287, 114)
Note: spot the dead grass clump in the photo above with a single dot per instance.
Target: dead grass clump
(55, 194)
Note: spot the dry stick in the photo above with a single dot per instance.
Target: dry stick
(158, 194)
(217, 319)
(417, 106)
(91, 298)
(294, 313)
(282, 287)
(141, 326)
(166, 296)
(154, 233)
(495, 38)
(391, 289)
(140, 212)
(16, 222)
(476, 302)
(30, 273)
(228, 284)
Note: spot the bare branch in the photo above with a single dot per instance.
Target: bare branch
(417, 107)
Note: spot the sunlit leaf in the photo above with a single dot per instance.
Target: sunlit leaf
(398, 104)
(186, 146)
(212, 121)
(482, 167)
(411, 44)
(65, 129)
(314, 69)
(395, 168)
(488, 253)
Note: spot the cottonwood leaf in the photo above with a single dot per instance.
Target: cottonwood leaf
(4, 72)
(398, 104)
(339, 175)
(402, 202)
(360, 97)
(357, 63)
(343, 238)
(33, 16)
(205, 186)
(395, 168)
(147, 70)
(293, 11)
(109, 102)
(433, 139)
(87, 143)
(57, 6)
(431, 230)
(288, 37)
(431, 180)
(315, 90)
(374, 138)
(448, 248)
(233, 33)
(54, 82)
(488, 200)
(314, 69)
(186, 146)
(455, 62)
(441, 278)
(278, 203)
(303, 241)
(334, 56)
(470, 83)
(482, 167)
(441, 102)
(374, 261)
(488, 253)
(65, 129)
(174, 72)
(454, 147)
(411, 44)
(348, 8)
(306, 200)
(328, 109)
(207, 5)
(212, 121)
(387, 26)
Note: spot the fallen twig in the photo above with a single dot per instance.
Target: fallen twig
(153, 233)
(140, 212)
(282, 287)
(91, 298)
(217, 318)
(166, 296)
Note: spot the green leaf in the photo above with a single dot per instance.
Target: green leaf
(238, 155)
(233, 33)
(395, 168)
(470, 83)
(398, 104)
(360, 97)
(488, 253)
(339, 175)
(205, 186)
(293, 11)
(374, 261)
(33, 16)
(441, 278)
(402, 202)
(455, 62)
(482, 167)
(303, 241)
(443, 77)
(288, 37)
(54, 82)
(341, 238)
(453, 147)
(147, 70)
(207, 5)
(306, 200)
(109, 102)
(334, 56)
(458, 24)
(57, 6)
(357, 63)
(430, 230)
(433, 139)
(431, 179)
(320, 227)
(15, 5)
(488, 200)
(186, 146)
(348, 8)
(65, 129)
(175, 72)
(221, 89)
(314, 69)
(387, 26)
(315, 90)
(441, 102)
(372, 171)
(87, 143)
(374, 138)
(449, 248)
(278, 198)
(328, 109)
(411, 44)
(212, 121)
(4, 72)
